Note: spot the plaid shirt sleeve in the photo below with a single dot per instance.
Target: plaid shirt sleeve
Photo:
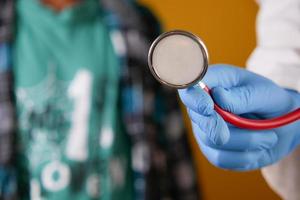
(8, 183)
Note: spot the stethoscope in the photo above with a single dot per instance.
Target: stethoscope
(179, 59)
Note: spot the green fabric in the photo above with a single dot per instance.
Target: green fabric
(66, 78)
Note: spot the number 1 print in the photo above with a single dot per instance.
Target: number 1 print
(80, 92)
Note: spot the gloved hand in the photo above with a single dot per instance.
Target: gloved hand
(250, 95)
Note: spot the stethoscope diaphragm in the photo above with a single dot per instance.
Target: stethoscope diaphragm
(178, 59)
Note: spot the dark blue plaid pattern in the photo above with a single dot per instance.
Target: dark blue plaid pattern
(8, 183)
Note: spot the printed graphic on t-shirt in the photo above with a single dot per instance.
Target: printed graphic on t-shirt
(54, 125)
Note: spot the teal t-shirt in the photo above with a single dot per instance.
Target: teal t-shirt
(71, 144)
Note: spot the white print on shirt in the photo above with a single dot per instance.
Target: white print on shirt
(80, 92)
(54, 122)
(55, 176)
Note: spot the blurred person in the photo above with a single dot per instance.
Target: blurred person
(271, 91)
(80, 115)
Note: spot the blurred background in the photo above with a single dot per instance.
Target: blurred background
(228, 29)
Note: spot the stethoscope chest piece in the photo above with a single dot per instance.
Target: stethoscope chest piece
(178, 59)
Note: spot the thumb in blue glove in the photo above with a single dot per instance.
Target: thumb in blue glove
(250, 95)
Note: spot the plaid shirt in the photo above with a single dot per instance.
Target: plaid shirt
(160, 153)
(8, 187)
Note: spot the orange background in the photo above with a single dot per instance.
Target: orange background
(228, 29)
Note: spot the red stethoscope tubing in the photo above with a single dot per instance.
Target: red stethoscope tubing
(254, 124)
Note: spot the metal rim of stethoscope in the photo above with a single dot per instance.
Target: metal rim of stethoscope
(190, 35)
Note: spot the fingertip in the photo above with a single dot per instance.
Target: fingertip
(197, 100)
(206, 107)
(222, 97)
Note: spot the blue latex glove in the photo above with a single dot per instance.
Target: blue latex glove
(250, 95)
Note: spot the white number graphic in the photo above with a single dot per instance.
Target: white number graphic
(55, 176)
(80, 92)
